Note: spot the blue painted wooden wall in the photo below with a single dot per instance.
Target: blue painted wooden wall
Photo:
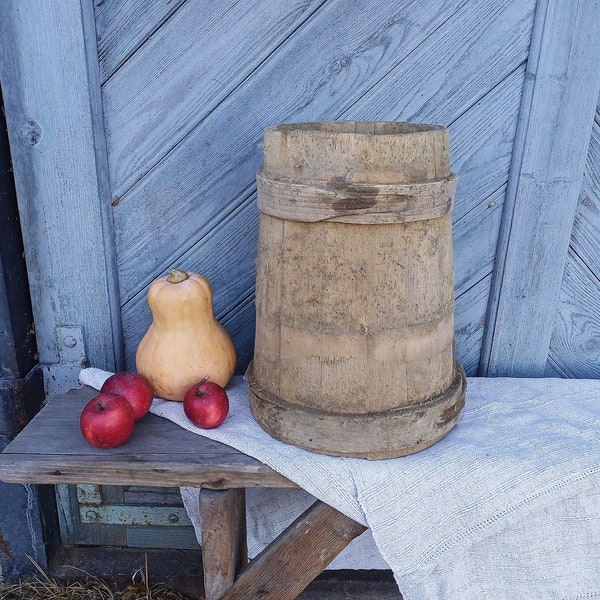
(136, 125)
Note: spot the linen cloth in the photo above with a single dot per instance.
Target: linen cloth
(506, 506)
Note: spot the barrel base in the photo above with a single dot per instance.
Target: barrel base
(374, 436)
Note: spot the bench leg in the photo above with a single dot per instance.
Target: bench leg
(224, 550)
(300, 553)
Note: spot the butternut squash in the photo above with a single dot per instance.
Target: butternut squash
(184, 343)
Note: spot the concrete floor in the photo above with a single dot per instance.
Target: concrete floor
(182, 570)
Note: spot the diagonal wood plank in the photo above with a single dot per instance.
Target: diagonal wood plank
(52, 98)
(586, 227)
(469, 321)
(296, 556)
(202, 185)
(481, 142)
(443, 77)
(475, 240)
(575, 344)
(123, 26)
(202, 53)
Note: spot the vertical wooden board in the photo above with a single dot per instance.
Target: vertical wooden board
(194, 61)
(52, 99)
(215, 161)
(555, 123)
(122, 26)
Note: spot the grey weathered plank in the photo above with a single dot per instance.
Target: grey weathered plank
(51, 89)
(191, 64)
(574, 347)
(122, 26)
(481, 143)
(575, 343)
(475, 237)
(586, 227)
(555, 122)
(210, 167)
(469, 321)
(443, 77)
(51, 449)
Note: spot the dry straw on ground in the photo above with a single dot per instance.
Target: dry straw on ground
(88, 587)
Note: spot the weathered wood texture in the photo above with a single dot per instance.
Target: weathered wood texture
(354, 293)
(557, 112)
(148, 458)
(282, 570)
(224, 549)
(575, 344)
(136, 147)
(185, 178)
(296, 556)
(52, 95)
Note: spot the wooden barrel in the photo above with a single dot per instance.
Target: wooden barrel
(354, 351)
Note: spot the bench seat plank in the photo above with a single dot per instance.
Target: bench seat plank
(51, 449)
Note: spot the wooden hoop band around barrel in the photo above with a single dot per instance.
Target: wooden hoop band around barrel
(312, 201)
(420, 425)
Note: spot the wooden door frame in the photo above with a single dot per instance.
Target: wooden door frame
(555, 123)
(51, 81)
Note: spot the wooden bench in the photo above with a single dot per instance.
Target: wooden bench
(51, 450)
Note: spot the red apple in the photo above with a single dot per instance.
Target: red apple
(206, 404)
(134, 387)
(107, 420)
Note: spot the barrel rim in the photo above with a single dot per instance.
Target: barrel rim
(361, 128)
(383, 435)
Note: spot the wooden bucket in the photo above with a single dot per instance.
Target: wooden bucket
(354, 351)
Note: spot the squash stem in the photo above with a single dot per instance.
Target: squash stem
(177, 276)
